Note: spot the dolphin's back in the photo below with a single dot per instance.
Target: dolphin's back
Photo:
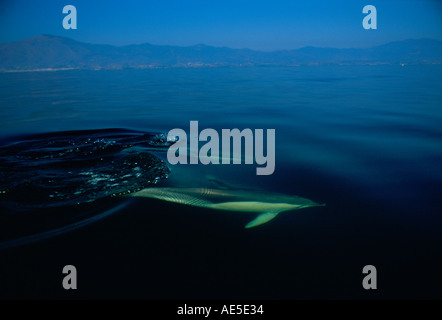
(191, 197)
(207, 196)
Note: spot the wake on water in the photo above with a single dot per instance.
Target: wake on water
(50, 180)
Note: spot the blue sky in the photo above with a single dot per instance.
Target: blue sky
(261, 25)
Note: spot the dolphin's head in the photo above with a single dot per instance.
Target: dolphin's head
(304, 203)
(313, 204)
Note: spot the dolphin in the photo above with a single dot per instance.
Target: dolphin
(267, 205)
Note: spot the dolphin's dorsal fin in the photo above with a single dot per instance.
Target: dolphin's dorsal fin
(216, 184)
(262, 218)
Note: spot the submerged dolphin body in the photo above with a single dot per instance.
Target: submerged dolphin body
(268, 205)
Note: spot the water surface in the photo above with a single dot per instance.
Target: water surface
(365, 140)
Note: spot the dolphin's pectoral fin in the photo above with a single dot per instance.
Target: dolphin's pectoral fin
(262, 218)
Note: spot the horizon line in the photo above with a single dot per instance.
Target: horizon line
(211, 46)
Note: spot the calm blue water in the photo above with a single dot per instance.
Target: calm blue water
(367, 141)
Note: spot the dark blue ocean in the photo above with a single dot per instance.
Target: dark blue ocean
(364, 140)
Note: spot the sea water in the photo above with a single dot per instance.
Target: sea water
(365, 140)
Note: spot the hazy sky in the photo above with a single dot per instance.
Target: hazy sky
(255, 24)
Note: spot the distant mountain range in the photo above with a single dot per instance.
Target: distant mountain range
(52, 52)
